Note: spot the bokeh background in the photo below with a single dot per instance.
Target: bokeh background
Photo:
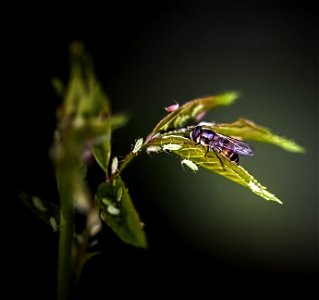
(147, 58)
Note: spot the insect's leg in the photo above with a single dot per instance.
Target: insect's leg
(221, 163)
(207, 151)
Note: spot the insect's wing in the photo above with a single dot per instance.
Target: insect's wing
(235, 145)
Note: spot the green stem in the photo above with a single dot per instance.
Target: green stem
(80, 255)
(65, 260)
(128, 158)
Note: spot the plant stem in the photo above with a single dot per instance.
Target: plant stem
(128, 158)
(66, 234)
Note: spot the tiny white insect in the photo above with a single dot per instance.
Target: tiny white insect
(111, 209)
(119, 194)
(153, 149)
(95, 228)
(190, 164)
(172, 147)
(53, 224)
(114, 165)
(138, 145)
(37, 202)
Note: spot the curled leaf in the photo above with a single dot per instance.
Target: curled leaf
(191, 110)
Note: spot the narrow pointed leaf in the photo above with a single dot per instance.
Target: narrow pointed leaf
(119, 120)
(187, 149)
(248, 130)
(192, 110)
(102, 149)
(119, 212)
(57, 84)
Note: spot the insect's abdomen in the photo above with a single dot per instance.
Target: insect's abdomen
(231, 155)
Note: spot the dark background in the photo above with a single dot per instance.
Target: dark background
(199, 227)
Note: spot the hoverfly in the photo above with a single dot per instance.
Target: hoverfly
(219, 143)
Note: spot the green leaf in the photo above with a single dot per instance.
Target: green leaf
(84, 98)
(248, 130)
(119, 212)
(46, 211)
(192, 110)
(188, 150)
(102, 149)
(58, 86)
(84, 116)
(119, 120)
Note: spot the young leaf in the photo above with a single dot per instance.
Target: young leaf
(192, 110)
(119, 212)
(102, 150)
(198, 155)
(85, 111)
(57, 84)
(119, 120)
(46, 211)
(84, 97)
(248, 130)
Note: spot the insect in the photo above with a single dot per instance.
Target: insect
(228, 146)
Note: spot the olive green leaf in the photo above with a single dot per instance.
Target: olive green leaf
(84, 116)
(57, 84)
(248, 130)
(102, 147)
(46, 211)
(198, 155)
(119, 120)
(84, 99)
(192, 110)
(119, 213)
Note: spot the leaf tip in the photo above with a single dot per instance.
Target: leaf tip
(76, 47)
(57, 86)
(277, 200)
(228, 97)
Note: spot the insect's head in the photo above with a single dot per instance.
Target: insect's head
(195, 133)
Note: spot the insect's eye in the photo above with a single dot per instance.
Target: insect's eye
(196, 133)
